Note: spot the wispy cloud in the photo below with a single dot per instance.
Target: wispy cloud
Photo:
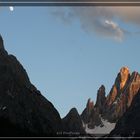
(101, 20)
(114, 30)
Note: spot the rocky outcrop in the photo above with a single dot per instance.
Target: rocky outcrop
(128, 124)
(72, 124)
(23, 110)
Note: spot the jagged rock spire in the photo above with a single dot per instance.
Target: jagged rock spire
(90, 105)
(100, 98)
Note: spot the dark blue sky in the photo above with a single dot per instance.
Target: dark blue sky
(69, 53)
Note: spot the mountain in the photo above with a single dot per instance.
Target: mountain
(129, 124)
(23, 110)
(72, 123)
(109, 109)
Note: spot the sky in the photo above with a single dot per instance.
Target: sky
(69, 52)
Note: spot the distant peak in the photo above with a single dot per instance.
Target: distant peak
(101, 89)
(135, 73)
(90, 104)
(100, 101)
(74, 110)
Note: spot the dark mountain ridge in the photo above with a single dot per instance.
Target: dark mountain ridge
(23, 110)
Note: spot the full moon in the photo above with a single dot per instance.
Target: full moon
(11, 8)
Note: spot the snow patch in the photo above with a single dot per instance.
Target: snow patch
(105, 129)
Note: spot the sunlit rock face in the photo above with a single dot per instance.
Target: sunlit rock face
(119, 86)
(122, 80)
(124, 76)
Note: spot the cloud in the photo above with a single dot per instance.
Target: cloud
(102, 20)
(114, 30)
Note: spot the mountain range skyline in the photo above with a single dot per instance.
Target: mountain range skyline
(24, 111)
(66, 63)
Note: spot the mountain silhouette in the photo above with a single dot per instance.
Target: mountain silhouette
(23, 109)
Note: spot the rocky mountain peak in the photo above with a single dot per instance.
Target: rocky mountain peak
(101, 91)
(72, 123)
(73, 111)
(100, 98)
(87, 111)
(124, 75)
(90, 105)
(135, 77)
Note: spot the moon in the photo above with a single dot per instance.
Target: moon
(11, 8)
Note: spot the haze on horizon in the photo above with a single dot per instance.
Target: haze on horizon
(69, 52)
